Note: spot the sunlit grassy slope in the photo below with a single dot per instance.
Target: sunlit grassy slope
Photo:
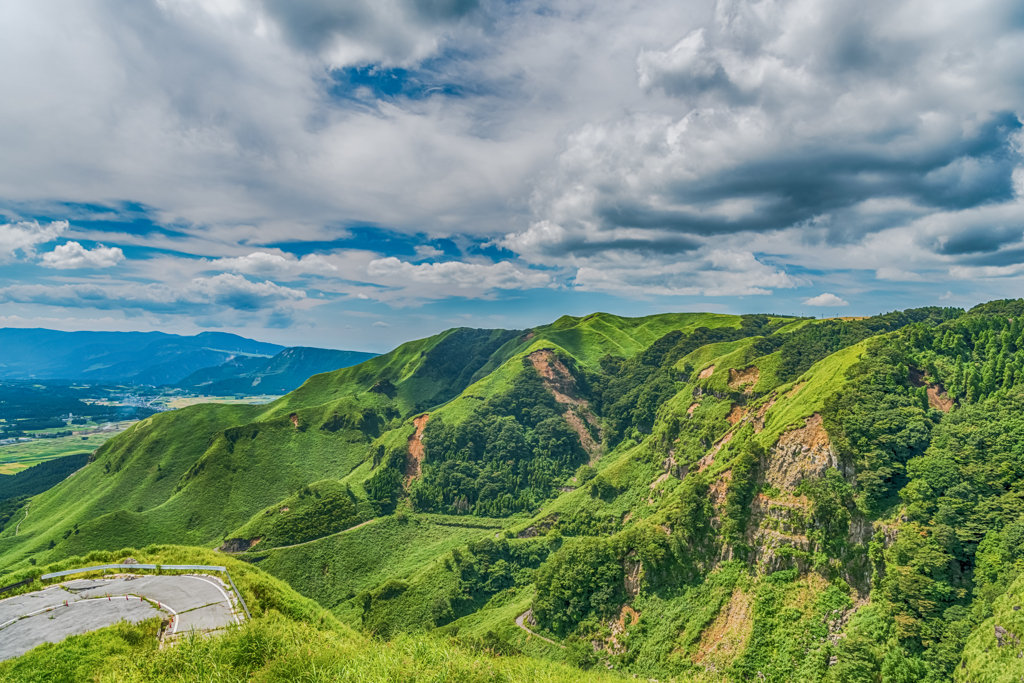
(197, 474)
(289, 483)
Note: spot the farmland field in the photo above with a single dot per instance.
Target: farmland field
(19, 456)
(186, 401)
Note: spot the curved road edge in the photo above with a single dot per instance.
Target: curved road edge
(520, 622)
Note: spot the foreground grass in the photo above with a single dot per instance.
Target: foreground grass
(271, 649)
(290, 638)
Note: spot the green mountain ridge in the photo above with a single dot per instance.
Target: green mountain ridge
(698, 496)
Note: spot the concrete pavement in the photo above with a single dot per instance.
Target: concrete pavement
(188, 601)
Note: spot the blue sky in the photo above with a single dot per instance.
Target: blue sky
(355, 174)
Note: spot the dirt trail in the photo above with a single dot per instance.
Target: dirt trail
(562, 385)
(520, 623)
(345, 531)
(412, 463)
(17, 528)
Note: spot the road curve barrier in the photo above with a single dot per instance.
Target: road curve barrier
(135, 566)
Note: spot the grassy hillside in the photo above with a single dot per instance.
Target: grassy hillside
(689, 496)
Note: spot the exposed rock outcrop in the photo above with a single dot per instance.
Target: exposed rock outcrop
(633, 569)
(799, 454)
(238, 545)
(562, 385)
(747, 377)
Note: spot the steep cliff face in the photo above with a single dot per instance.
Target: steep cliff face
(562, 385)
(800, 454)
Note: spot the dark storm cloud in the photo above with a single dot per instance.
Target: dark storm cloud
(979, 240)
(999, 259)
(801, 184)
(315, 25)
(841, 126)
(649, 244)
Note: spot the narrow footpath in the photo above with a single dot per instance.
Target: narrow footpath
(18, 528)
(337, 533)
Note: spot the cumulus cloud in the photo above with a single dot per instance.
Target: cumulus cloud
(690, 67)
(264, 263)
(826, 299)
(24, 236)
(234, 291)
(200, 296)
(719, 148)
(74, 255)
(817, 124)
(717, 273)
(472, 279)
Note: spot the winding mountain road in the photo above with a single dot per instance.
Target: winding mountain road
(520, 622)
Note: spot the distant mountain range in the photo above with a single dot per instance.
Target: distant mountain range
(158, 358)
(278, 375)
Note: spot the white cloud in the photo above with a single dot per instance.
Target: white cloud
(471, 279)
(655, 148)
(24, 236)
(826, 299)
(236, 292)
(264, 263)
(74, 255)
(222, 292)
(898, 275)
(425, 251)
(714, 273)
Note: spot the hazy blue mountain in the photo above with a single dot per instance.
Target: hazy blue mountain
(278, 375)
(138, 357)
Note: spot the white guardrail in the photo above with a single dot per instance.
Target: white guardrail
(199, 567)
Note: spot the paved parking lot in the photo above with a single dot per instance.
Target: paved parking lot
(188, 602)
